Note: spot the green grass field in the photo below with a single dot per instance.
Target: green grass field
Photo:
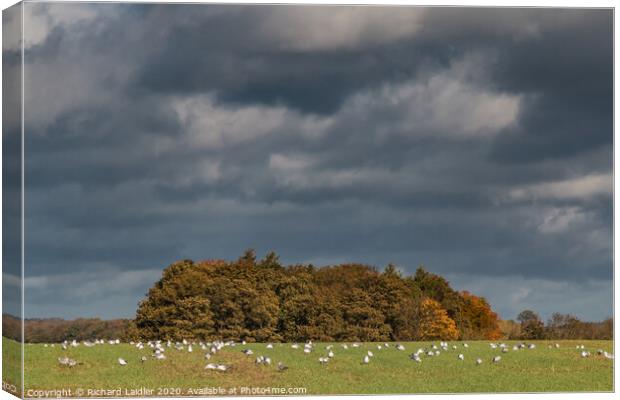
(390, 371)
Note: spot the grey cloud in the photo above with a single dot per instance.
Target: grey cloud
(450, 143)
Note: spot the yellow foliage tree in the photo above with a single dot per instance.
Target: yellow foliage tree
(435, 322)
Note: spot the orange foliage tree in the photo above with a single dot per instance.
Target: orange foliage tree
(435, 322)
(481, 321)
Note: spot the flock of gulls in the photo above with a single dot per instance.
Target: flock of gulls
(327, 353)
(600, 352)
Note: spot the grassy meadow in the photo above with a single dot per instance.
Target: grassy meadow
(390, 371)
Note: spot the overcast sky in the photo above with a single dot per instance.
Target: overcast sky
(476, 142)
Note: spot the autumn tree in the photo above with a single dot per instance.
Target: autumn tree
(532, 326)
(479, 321)
(435, 322)
(438, 288)
(177, 306)
(398, 300)
(362, 321)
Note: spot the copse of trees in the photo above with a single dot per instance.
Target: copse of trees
(262, 300)
(559, 326)
(54, 330)
(567, 326)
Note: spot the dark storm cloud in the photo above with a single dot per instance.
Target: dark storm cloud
(477, 142)
(234, 57)
(561, 86)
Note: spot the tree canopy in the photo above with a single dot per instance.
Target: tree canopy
(262, 300)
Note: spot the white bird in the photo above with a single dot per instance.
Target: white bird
(211, 366)
(355, 345)
(434, 347)
(514, 348)
(323, 360)
(207, 355)
(585, 354)
(366, 359)
(465, 345)
(190, 348)
(504, 350)
(379, 347)
(267, 360)
(307, 350)
(221, 367)
(532, 346)
(496, 359)
(67, 361)
(437, 353)
(247, 352)
(557, 345)
(478, 361)
(415, 357)
(122, 362)
(430, 353)
(400, 347)
(330, 354)
(344, 346)
(370, 353)
(143, 358)
(608, 355)
(281, 367)
(461, 357)
(295, 346)
(493, 345)
(270, 346)
(453, 347)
